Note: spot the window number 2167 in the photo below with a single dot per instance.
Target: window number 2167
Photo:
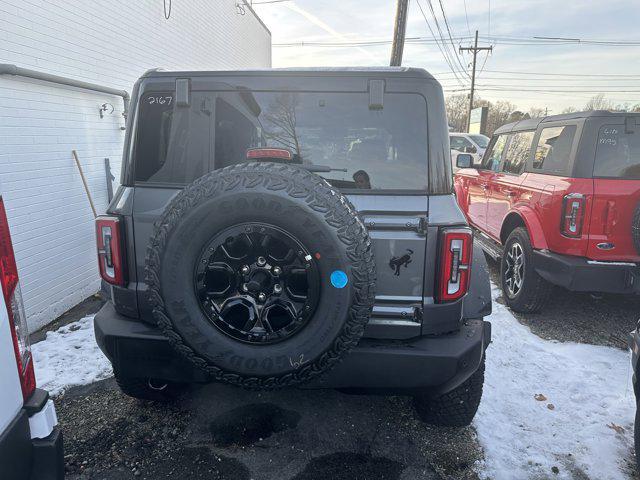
(160, 100)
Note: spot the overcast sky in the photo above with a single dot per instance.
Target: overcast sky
(594, 68)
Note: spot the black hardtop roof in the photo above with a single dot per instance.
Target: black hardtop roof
(408, 72)
(532, 123)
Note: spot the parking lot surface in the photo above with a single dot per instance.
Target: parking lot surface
(222, 432)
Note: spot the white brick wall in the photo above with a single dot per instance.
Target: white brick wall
(109, 42)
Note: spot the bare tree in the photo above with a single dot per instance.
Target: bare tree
(536, 112)
(280, 122)
(457, 111)
(500, 112)
(517, 115)
(599, 102)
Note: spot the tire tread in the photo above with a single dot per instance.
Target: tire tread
(316, 192)
(455, 408)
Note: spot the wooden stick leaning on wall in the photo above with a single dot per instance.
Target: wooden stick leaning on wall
(84, 181)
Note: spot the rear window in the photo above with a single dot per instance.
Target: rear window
(355, 147)
(554, 149)
(617, 153)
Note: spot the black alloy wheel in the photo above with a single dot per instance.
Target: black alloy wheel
(256, 283)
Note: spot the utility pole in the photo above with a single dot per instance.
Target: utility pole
(475, 49)
(398, 33)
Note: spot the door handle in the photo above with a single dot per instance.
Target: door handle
(510, 193)
(484, 186)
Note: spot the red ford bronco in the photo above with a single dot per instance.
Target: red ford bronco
(558, 200)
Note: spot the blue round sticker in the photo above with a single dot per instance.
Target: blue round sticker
(339, 279)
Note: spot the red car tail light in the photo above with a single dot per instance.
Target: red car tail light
(266, 153)
(573, 206)
(109, 241)
(15, 308)
(456, 248)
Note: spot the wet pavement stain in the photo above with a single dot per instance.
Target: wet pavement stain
(350, 466)
(248, 424)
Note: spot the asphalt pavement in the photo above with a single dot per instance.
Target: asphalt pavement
(222, 432)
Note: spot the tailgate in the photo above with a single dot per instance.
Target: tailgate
(610, 230)
(616, 182)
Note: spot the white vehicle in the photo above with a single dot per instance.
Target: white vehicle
(472, 143)
(30, 440)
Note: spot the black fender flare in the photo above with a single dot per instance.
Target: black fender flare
(477, 301)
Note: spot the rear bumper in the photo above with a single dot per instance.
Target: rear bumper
(437, 364)
(583, 275)
(26, 458)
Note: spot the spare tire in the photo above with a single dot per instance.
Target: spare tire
(261, 274)
(635, 228)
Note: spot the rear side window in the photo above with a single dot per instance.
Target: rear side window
(518, 152)
(492, 159)
(553, 151)
(617, 153)
(173, 145)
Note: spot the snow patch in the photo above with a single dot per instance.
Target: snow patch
(586, 394)
(69, 356)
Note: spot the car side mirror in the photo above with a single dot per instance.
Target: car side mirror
(464, 160)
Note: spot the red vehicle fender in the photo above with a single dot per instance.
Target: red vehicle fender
(526, 215)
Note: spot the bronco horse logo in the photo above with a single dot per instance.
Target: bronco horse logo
(396, 262)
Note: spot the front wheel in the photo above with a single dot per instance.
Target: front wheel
(524, 290)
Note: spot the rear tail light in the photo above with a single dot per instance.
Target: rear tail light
(15, 308)
(573, 206)
(456, 247)
(110, 258)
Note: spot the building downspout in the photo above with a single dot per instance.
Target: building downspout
(8, 69)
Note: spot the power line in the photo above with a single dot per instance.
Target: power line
(265, 2)
(446, 22)
(421, 40)
(500, 89)
(516, 41)
(443, 41)
(486, 57)
(511, 72)
(466, 17)
(446, 59)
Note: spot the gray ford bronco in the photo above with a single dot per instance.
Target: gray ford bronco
(284, 228)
